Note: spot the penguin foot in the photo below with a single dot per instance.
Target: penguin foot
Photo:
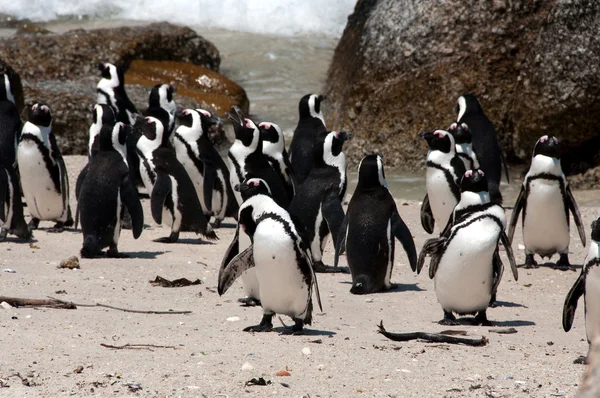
(481, 319)
(113, 252)
(57, 228)
(296, 330)
(530, 263)
(166, 239)
(34, 223)
(266, 325)
(249, 301)
(563, 263)
(216, 223)
(3, 233)
(318, 266)
(449, 319)
(493, 303)
(582, 360)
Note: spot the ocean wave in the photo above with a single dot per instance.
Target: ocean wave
(274, 17)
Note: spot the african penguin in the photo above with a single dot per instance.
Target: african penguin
(444, 169)
(465, 264)
(172, 194)
(282, 261)
(44, 177)
(546, 200)
(588, 286)
(367, 233)
(204, 164)
(274, 149)
(111, 90)
(318, 202)
(310, 124)
(485, 142)
(246, 158)
(105, 193)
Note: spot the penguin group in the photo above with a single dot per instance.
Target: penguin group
(288, 203)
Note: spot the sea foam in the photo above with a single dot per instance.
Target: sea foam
(273, 17)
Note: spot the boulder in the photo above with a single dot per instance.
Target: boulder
(401, 64)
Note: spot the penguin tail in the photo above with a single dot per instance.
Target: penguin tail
(90, 247)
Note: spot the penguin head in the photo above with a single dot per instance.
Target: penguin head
(474, 181)
(596, 230)
(253, 186)
(270, 132)
(188, 118)
(40, 115)
(439, 140)
(370, 172)
(245, 130)
(310, 107)
(461, 133)
(467, 104)
(161, 96)
(152, 134)
(103, 114)
(208, 120)
(547, 145)
(163, 117)
(6, 93)
(112, 75)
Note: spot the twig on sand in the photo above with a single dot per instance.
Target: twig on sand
(432, 337)
(148, 347)
(125, 309)
(26, 302)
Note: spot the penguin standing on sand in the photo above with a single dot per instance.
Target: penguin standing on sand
(246, 158)
(485, 142)
(173, 197)
(111, 90)
(588, 286)
(310, 124)
(281, 259)
(318, 202)
(43, 173)
(444, 169)
(105, 193)
(546, 200)
(274, 149)
(465, 263)
(367, 233)
(204, 165)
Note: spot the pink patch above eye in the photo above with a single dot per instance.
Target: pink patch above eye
(468, 174)
(248, 123)
(438, 133)
(453, 126)
(544, 138)
(337, 135)
(464, 126)
(266, 125)
(205, 113)
(186, 112)
(481, 173)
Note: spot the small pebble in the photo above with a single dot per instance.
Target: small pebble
(521, 247)
(369, 300)
(5, 305)
(233, 319)
(9, 270)
(321, 367)
(70, 263)
(306, 351)
(247, 366)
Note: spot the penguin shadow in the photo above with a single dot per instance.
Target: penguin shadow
(508, 304)
(305, 332)
(396, 287)
(186, 241)
(140, 255)
(226, 225)
(550, 264)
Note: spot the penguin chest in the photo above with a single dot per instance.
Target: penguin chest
(441, 198)
(44, 201)
(545, 223)
(147, 173)
(592, 302)
(283, 289)
(463, 281)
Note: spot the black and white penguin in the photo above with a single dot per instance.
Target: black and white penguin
(464, 145)
(111, 90)
(204, 165)
(161, 96)
(44, 177)
(546, 200)
(105, 193)
(281, 259)
(310, 124)
(318, 202)
(444, 170)
(246, 157)
(465, 262)
(274, 149)
(367, 233)
(485, 142)
(588, 286)
(173, 198)
(10, 123)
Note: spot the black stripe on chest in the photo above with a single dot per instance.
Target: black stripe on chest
(550, 177)
(52, 168)
(236, 166)
(147, 166)
(449, 179)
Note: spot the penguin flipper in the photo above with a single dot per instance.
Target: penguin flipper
(402, 233)
(333, 213)
(427, 220)
(340, 247)
(80, 178)
(515, 215)
(130, 199)
(210, 176)
(576, 214)
(510, 254)
(431, 247)
(161, 189)
(498, 270)
(4, 181)
(236, 267)
(232, 250)
(570, 305)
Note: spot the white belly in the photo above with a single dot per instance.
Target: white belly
(592, 302)
(463, 281)
(441, 199)
(249, 279)
(39, 190)
(282, 286)
(545, 228)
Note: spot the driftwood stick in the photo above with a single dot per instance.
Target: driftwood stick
(432, 337)
(137, 346)
(126, 309)
(26, 302)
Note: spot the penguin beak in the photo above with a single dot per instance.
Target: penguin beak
(238, 118)
(345, 135)
(321, 98)
(100, 67)
(426, 135)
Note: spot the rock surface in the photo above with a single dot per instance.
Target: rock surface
(60, 70)
(534, 65)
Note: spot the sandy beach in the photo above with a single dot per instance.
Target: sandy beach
(206, 354)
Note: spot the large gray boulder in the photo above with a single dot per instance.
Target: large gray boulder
(401, 64)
